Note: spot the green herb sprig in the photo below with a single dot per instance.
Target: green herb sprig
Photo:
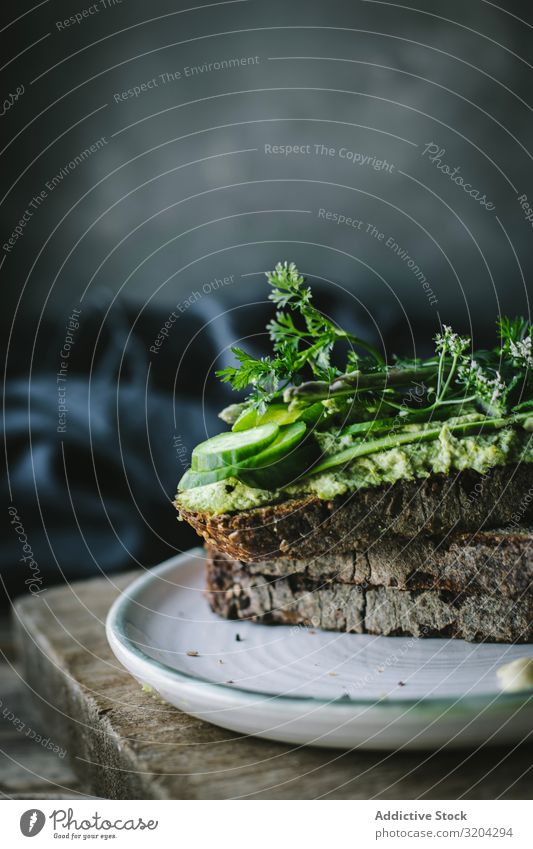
(303, 339)
(456, 378)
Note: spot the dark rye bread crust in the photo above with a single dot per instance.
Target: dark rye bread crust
(495, 562)
(302, 528)
(335, 606)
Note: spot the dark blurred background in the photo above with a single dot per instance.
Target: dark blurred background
(158, 158)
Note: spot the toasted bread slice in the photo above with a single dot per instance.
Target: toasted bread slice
(236, 591)
(435, 506)
(498, 561)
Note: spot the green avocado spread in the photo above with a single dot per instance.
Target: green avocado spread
(444, 455)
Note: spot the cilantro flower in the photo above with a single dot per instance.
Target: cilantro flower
(521, 350)
(491, 389)
(451, 343)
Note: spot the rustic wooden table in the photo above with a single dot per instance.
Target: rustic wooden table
(124, 743)
(27, 769)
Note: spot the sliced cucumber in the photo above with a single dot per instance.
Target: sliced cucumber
(277, 463)
(279, 414)
(192, 479)
(287, 439)
(229, 448)
(280, 462)
(283, 472)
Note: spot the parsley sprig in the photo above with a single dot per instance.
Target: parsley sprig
(300, 370)
(303, 339)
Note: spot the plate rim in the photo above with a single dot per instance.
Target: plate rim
(115, 630)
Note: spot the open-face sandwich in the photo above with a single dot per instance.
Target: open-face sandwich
(380, 497)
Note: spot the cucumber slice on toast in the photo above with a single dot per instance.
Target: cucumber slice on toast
(288, 438)
(192, 479)
(230, 448)
(284, 459)
(276, 413)
(279, 414)
(280, 462)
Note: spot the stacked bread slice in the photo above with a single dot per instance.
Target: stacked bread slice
(446, 556)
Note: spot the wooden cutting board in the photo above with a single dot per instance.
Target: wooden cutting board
(126, 744)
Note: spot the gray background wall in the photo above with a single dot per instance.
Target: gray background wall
(182, 191)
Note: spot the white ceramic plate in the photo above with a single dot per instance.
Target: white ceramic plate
(311, 687)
